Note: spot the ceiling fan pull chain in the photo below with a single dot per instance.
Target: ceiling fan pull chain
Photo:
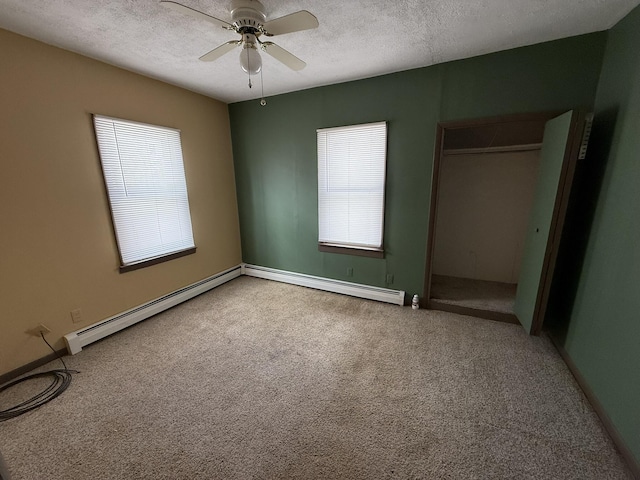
(248, 66)
(263, 102)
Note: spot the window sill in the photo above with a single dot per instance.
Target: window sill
(360, 252)
(154, 261)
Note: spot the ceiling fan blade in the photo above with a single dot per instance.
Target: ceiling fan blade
(294, 22)
(220, 51)
(178, 7)
(280, 54)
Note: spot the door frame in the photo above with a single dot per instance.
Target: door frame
(442, 128)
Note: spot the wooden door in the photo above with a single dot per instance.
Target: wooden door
(561, 147)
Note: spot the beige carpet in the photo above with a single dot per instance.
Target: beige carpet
(470, 293)
(262, 380)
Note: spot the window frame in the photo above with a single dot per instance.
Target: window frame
(163, 257)
(352, 248)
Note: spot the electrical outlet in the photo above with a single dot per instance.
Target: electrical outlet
(43, 329)
(389, 279)
(40, 329)
(76, 315)
(350, 272)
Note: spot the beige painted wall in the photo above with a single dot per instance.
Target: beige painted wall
(58, 251)
(484, 203)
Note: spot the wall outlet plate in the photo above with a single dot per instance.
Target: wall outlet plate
(40, 329)
(76, 315)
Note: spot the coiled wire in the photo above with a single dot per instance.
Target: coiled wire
(61, 381)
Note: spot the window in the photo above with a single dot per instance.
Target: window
(351, 181)
(144, 175)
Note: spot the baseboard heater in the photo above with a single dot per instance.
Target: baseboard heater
(336, 286)
(76, 340)
(81, 338)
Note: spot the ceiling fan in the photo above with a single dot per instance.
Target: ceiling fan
(248, 19)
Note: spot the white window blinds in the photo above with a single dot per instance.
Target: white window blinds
(351, 181)
(144, 175)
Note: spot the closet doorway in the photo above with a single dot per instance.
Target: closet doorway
(499, 193)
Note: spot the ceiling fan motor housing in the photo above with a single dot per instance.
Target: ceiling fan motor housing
(248, 15)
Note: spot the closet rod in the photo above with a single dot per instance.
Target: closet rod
(505, 148)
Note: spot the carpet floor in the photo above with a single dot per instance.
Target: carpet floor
(262, 380)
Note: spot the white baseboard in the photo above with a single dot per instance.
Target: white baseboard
(83, 337)
(337, 286)
(76, 340)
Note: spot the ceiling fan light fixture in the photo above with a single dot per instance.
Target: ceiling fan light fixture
(250, 60)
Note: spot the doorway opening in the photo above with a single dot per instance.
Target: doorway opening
(491, 181)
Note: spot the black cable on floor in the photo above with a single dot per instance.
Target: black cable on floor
(53, 350)
(61, 381)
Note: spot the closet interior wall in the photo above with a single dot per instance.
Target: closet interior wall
(484, 202)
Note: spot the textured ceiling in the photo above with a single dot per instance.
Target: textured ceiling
(356, 38)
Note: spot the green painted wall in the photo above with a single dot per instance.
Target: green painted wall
(603, 333)
(275, 149)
